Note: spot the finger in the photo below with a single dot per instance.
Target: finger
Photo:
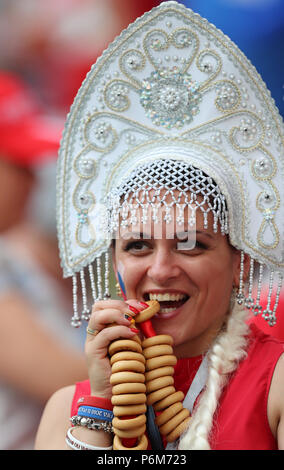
(106, 318)
(91, 331)
(107, 335)
(101, 318)
(110, 303)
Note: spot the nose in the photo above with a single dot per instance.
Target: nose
(163, 267)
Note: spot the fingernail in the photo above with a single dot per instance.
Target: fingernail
(133, 309)
(129, 318)
(134, 330)
(144, 304)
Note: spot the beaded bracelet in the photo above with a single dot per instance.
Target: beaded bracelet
(98, 402)
(75, 444)
(91, 423)
(99, 413)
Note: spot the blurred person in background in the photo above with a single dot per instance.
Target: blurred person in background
(38, 352)
(53, 44)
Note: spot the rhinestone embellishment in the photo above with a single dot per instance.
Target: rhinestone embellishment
(228, 96)
(170, 98)
(263, 168)
(102, 131)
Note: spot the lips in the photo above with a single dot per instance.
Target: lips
(169, 301)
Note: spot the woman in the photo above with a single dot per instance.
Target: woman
(189, 175)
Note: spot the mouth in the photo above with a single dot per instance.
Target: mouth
(169, 301)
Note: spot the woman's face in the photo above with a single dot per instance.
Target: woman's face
(193, 285)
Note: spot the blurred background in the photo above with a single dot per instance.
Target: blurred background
(46, 49)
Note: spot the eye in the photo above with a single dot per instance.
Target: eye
(137, 247)
(200, 245)
(191, 247)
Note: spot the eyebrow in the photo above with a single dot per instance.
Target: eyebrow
(197, 232)
(203, 232)
(136, 235)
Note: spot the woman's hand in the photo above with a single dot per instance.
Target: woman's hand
(111, 319)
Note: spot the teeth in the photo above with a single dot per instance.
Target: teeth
(167, 310)
(166, 297)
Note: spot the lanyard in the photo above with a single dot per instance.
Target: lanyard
(197, 385)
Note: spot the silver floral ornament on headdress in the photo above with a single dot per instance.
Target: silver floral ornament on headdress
(170, 98)
(172, 87)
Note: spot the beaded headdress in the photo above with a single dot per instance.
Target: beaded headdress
(171, 100)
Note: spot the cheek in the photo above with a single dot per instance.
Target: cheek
(215, 274)
(132, 277)
(128, 277)
(221, 280)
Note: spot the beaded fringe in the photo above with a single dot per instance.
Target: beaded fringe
(153, 191)
(94, 283)
(129, 213)
(256, 285)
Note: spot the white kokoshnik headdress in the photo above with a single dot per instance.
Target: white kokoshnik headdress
(171, 100)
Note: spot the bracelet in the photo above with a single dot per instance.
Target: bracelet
(75, 444)
(91, 423)
(90, 400)
(91, 412)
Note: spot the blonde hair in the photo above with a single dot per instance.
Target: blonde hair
(228, 349)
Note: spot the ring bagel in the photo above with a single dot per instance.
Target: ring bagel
(121, 366)
(119, 410)
(157, 350)
(159, 339)
(169, 400)
(159, 383)
(124, 345)
(126, 376)
(178, 430)
(159, 394)
(160, 361)
(127, 433)
(149, 312)
(127, 355)
(160, 372)
(168, 413)
(131, 387)
(142, 444)
(129, 399)
(129, 423)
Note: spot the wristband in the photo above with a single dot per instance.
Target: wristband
(75, 444)
(98, 413)
(97, 402)
(92, 423)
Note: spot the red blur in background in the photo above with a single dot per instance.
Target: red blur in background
(53, 44)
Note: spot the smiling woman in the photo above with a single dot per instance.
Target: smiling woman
(187, 276)
(171, 162)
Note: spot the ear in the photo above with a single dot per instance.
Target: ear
(237, 269)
